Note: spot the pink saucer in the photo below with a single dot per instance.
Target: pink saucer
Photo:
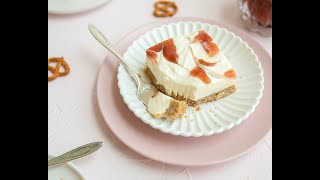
(179, 150)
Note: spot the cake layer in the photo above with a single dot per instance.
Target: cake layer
(212, 97)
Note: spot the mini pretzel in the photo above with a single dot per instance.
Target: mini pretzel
(165, 8)
(56, 70)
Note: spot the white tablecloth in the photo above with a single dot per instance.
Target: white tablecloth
(74, 118)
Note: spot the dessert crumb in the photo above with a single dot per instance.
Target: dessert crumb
(145, 70)
(198, 108)
(186, 117)
(139, 75)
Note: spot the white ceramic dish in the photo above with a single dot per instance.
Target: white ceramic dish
(64, 172)
(214, 117)
(73, 6)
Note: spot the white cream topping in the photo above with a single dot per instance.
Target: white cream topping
(200, 53)
(176, 78)
(159, 104)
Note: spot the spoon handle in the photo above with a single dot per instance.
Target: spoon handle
(75, 153)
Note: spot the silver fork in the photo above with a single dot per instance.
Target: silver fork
(75, 153)
(145, 90)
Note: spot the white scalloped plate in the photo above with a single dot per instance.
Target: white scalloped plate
(213, 117)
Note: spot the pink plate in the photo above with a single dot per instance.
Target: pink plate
(177, 150)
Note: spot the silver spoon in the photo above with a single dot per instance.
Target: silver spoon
(75, 153)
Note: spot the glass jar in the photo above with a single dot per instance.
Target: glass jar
(257, 15)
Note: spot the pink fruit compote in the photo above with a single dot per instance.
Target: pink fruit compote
(257, 15)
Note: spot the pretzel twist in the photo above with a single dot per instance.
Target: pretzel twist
(165, 8)
(60, 62)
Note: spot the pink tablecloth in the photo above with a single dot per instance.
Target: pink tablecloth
(74, 117)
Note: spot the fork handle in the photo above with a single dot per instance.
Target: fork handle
(106, 43)
(75, 153)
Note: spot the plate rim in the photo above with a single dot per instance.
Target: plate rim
(78, 10)
(240, 119)
(72, 166)
(149, 26)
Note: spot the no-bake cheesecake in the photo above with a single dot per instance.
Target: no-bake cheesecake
(191, 68)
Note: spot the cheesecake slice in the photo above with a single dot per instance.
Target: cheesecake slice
(191, 68)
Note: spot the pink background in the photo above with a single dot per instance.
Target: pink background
(74, 118)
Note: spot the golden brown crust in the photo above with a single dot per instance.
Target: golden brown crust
(210, 98)
(176, 109)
